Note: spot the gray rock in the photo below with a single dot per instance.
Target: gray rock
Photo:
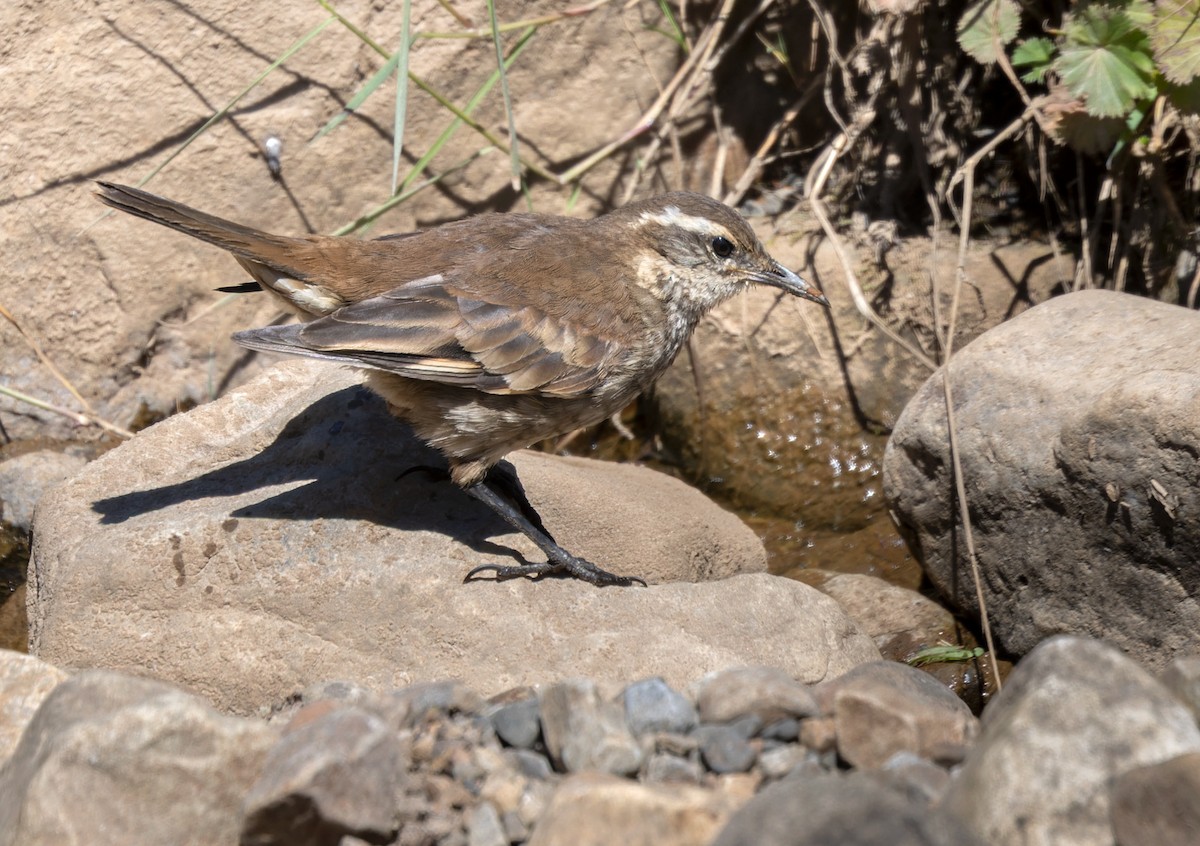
(484, 826)
(135, 760)
(410, 704)
(274, 516)
(726, 748)
(1159, 804)
(846, 810)
(782, 760)
(652, 706)
(517, 722)
(883, 708)
(665, 767)
(1074, 715)
(1077, 435)
(583, 732)
(768, 692)
(919, 777)
(337, 775)
(530, 764)
(24, 478)
(24, 683)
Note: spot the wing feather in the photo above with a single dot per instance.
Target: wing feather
(433, 331)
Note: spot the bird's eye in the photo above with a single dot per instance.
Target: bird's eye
(722, 247)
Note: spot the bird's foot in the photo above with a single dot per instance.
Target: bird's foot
(580, 568)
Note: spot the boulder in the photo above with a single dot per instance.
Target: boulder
(1076, 426)
(278, 537)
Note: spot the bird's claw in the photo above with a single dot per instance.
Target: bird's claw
(577, 567)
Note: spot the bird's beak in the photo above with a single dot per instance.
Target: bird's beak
(782, 278)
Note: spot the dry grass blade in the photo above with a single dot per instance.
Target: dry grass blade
(960, 487)
(88, 416)
(401, 93)
(514, 153)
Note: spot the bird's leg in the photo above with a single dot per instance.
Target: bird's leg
(559, 559)
(502, 478)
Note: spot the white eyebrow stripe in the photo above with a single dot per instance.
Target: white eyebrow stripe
(672, 216)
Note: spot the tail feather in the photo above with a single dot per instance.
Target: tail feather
(243, 241)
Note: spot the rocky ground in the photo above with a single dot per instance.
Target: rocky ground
(1082, 747)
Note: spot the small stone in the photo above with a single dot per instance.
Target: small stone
(591, 809)
(767, 692)
(1158, 804)
(530, 764)
(783, 760)
(787, 730)
(484, 827)
(725, 749)
(584, 733)
(883, 708)
(409, 705)
(335, 775)
(921, 779)
(652, 706)
(663, 767)
(24, 478)
(517, 723)
(819, 733)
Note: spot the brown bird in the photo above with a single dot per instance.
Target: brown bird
(492, 333)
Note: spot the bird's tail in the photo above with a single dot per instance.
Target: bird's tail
(278, 263)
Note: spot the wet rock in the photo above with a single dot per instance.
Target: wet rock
(24, 683)
(24, 478)
(1157, 805)
(583, 732)
(590, 809)
(1074, 715)
(274, 515)
(333, 776)
(767, 692)
(883, 708)
(652, 706)
(138, 760)
(847, 810)
(1077, 435)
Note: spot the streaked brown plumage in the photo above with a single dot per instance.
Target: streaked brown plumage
(492, 333)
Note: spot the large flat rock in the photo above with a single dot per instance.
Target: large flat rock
(273, 539)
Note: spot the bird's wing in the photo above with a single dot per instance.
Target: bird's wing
(431, 330)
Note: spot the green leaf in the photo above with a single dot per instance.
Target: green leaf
(1106, 60)
(1036, 54)
(1175, 36)
(987, 27)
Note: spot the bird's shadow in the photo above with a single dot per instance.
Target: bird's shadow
(357, 462)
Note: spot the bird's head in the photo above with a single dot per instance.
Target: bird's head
(703, 250)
